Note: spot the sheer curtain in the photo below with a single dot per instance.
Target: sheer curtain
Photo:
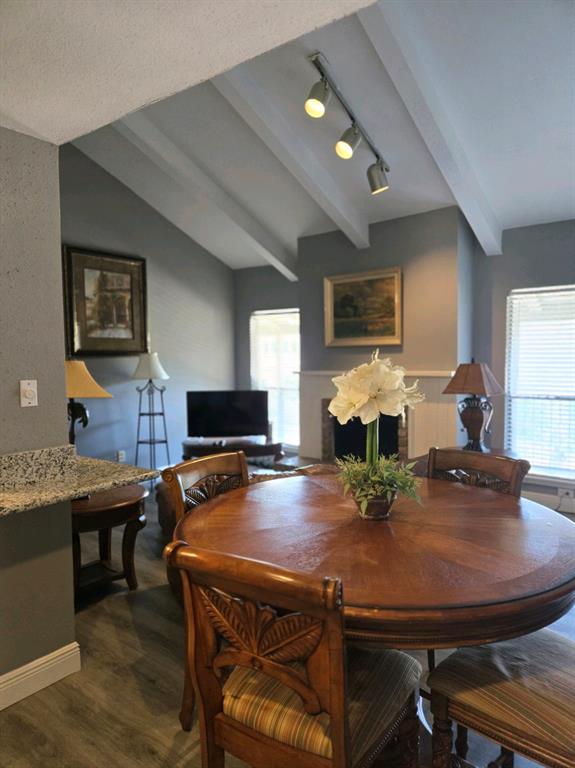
(275, 360)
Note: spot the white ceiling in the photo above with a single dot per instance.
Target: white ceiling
(70, 66)
(471, 103)
(201, 127)
(505, 74)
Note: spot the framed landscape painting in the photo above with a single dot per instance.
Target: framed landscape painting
(363, 309)
(105, 303)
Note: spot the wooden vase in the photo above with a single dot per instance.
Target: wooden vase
(378, 508)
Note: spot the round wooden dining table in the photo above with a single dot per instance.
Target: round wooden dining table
(466, 566)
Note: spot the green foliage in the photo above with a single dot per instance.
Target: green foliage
(385, 478)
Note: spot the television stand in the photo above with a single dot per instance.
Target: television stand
(265, 453)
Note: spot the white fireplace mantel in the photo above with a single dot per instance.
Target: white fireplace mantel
(434, 422)
(414, 374)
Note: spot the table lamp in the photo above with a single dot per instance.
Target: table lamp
(478, 382)
(79, 383)
(149, 368)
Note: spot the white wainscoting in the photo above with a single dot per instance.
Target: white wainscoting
(433, 422)
(39, 673)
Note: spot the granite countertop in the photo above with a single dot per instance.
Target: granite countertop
(88, 476)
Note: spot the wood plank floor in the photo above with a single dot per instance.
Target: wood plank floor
(121, 710)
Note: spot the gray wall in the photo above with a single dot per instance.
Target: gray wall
(466, 256)
(31, 327)
(532, 257)
(36, 603)
(425, 247)
(190, 306)
(36, 585)
(257, 289)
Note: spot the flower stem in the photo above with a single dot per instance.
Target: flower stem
(372, 443)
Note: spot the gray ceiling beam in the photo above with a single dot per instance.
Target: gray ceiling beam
(398, 53)
(263, 117)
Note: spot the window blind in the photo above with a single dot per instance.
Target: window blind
(540, 378)
(274, 362)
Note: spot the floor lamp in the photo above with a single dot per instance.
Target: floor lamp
(149, 368)
(80, 383)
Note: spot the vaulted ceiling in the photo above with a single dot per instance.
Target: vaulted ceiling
(70, 66)
(471, 104)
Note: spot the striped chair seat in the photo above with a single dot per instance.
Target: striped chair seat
(525, 686)
(379, 684)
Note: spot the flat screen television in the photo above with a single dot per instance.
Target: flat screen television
(227, 414)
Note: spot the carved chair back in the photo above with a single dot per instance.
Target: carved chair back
(499, 473)
(245, 613)
(192, 482)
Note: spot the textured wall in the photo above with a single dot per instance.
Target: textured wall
(532, 257)
(257, 289)
(190, 306)
(425, 247)
(31, 327)
(36, 602)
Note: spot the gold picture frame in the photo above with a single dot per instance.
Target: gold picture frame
(363, 309)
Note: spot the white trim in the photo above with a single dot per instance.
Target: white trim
(39, 673)
(553, 481)
(421, 374)
(542, 289)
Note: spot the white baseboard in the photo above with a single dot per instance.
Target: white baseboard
(38, 674)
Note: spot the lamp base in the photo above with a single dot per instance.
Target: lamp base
(76, 412)
(475, 413)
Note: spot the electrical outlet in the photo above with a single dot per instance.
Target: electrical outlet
(566, 498)
(120, 456)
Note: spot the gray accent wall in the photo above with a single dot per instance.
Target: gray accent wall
(190, 307)
(31, 327)
(36, 584)
(36, 601)
(257, 289)
(537, 256)
(425, 246)
(465, 299)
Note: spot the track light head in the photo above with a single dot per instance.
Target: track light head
(318, 99)
(377, 178)
(350, 139)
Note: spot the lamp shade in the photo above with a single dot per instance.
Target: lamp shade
(149, 367)
(79, 381)
(473, 379)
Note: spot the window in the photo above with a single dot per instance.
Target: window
(275, 361)
(540, 378)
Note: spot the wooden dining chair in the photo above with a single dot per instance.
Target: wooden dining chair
(192, 482)
(519, 693)
(187, 485)
(267, 651)
(484, 470)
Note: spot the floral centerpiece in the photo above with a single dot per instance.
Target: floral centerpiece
(366, 392)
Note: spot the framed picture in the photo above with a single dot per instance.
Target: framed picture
(363, 309)
(105, 303)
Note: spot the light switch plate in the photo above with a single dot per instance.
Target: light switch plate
(28, 392)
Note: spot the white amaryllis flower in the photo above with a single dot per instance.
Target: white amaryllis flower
(372, 389)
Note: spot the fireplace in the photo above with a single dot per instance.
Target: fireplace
(340, 440)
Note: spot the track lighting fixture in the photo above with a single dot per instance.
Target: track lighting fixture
(350, 139)
(315, 106)
(318, 99)
(377, 178)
